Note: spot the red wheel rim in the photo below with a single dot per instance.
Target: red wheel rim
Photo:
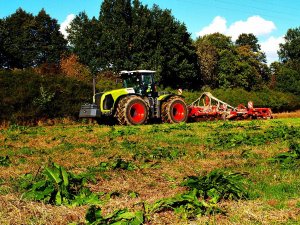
(137, 112)
(178, 112)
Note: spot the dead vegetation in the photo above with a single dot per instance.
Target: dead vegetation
(159, 157)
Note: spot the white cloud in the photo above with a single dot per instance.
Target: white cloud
(254, 24)
(64, 25)
(270, 47)
(217, 25)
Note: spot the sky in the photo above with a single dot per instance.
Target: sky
(269, 20)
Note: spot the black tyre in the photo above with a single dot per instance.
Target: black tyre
(174, 110)
(132, 110)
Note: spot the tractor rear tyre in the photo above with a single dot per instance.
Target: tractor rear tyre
(174, 110)
(132, 110)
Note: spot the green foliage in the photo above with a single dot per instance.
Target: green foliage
(225, 65)
(287, 73)
(120, 217)
(290, 49)
(44, 99)
(60, 97)
(169, 128)
(230, 140)
(124, 131)
(167, 153)
(287, 79)
(275, 100)
(289, 159)
(187, 205)
(85, 35)
(30, 40)
(57, 186)
(5, 161)
(218, 185)
(117, 164)
(248, 40)
(155, 39)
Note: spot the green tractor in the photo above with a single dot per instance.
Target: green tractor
(136, 103)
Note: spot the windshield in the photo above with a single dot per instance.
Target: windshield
(147, 78)
(131, 81)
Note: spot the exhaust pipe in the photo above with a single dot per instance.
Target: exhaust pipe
(94, 88)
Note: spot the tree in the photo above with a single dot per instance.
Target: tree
(49, 42)
(174, 54)
(207, 60)
(287, 74)
(248, 40)
(29, 41)
(209, 51)
(85, 37)
(116, 20)
(223, 64)
(290, 50)
(71, 67)
(287, 79)
(130, 36)
(18, 35)
(143, 37)
(3, 60)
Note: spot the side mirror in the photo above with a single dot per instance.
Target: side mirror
(119, 81)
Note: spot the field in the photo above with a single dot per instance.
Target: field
(147, 170)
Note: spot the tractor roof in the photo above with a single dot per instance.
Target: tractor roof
(136, 71)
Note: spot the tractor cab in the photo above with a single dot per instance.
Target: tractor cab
(142, 81)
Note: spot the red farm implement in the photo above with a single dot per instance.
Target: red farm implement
(208, 107)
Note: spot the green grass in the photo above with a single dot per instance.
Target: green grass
(153, 160)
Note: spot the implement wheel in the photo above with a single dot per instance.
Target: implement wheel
(132, 110)
(174, 110)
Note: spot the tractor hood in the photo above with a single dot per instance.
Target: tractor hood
(109, 98)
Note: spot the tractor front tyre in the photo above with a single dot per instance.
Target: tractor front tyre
(174, 110)
(132, 110)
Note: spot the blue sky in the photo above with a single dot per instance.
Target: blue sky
(267, 19)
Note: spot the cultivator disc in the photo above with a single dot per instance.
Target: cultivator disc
(208, 107)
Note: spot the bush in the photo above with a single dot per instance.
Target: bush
(276, 100)
(28, 97)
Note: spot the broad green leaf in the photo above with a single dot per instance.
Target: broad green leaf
(58, 199)
(53, 174)
(64, 176)
(126, 215)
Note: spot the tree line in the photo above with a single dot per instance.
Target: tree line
(128, 35)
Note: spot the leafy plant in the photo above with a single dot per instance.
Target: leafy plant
(44, 99)
(291, 158)
(120, 217)
(218, 185)
(118, 163)
(57, 186)
(180, 126)
(230, 140)
(4, 161)
(187, 205)
(129, 130)
(129, 145)
(228, 125)
(169, 153)
(166, 128)
(156, 128)
(15, 127)
(123, 165)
